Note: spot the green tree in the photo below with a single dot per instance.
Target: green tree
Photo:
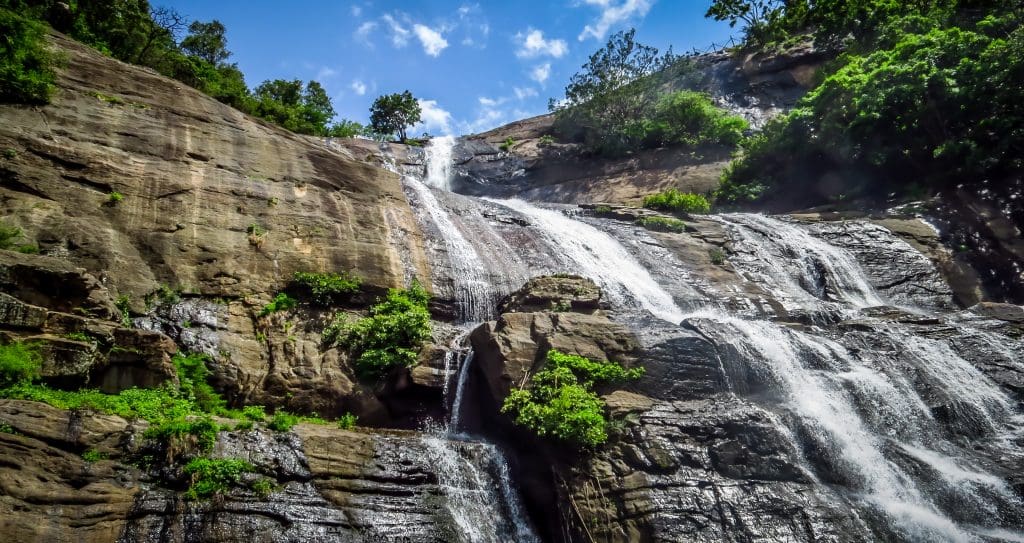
(26, 72)
(394, 113)
(207, 41)
(757, 16)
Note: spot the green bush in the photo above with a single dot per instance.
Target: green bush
(677, 202)
(263, 487)
(662, 224)
(928, 110)
(193, 379)
(560, 401)
(327, 289)
(92, 455)
(255, 413)
(26, 66)
(114, 197)
(507, 144)
(281, 302)
(19, 363)
(717, 256)
(283, 421)
(9, 236)
(210, 476)
(181, 434)
(347, 421)
(392, 335)
(244, 425)
(691, 118)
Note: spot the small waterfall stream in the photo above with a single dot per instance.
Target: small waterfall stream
(861, 402)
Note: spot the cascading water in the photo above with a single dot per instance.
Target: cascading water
(880, 413)
(479, 497)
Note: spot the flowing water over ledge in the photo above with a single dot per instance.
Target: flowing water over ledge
(885, 413)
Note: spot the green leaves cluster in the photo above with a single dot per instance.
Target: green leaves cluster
(936, 107)
(26, 66)
(281, 302)
(392, 114)
(327, 289)
(19, 363)
(616, 105)
(212, 476)
(560, 401)
(390, 337)
(662, 224)
(677, 202)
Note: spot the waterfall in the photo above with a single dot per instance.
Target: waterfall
(439, 162)
(603, 259)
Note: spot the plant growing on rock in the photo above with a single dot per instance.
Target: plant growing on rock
(19, 363)
(677, 202)
(662, 224)
(8, 236)
(283, 421)
(26, 67)
(214, 476)
(391, 336)
(560, 400)
(281, 302)
(507, 144)
(327, 289)
(114, 198)
(257, 235)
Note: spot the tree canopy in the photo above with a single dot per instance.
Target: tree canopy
(394, 113)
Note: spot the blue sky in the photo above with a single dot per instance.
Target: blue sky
(473, 65)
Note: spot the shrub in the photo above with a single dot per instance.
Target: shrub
(19, 363)
(691, 118)
(114, 197)
(184, 435)
(28, 249)
(26, 67)
(546, 140)
(255, 413)
(210, 477)
(392, 335)
(347, 421)
(242, 426)
(9, 236)
(507, 144)
(263, 487)
(92, 455)
(560, 401)
(717, 256)
(662, 224)
(80, 336)
(281, 302)
(677, 202)
(193, 378)
(327, 288)
(257, 235)
(283, 421)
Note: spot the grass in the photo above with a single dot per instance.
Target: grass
(92, 455)
(677, 202)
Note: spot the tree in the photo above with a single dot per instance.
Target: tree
(756, 16)
(393, 113)
(207, 41)
(165, 26)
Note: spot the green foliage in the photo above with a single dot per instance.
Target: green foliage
(193, 381)
(7, 429)
(213, 476)
(92, 455)
(347, 421)
(306, 110)
(114, 197)
(560, 401)
(677, 202)
(20, 363)
(507, 144)
(327, 289)
(691, 118)
(28, 249)
(392, 335)
(9, 236)
(283, 421)
(184, 433)
(124, 305)
(256, 413)
(281, 302)
(263, 487)
(761, 18)
(346, 129)
(394, 113)
(937, 107)
(10, 154)
(80, 336)
(546, 140)
(717, 256)
(662, 224)
(26, 66)
(207, 41)
(244, 425)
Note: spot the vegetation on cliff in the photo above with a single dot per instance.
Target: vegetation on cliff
(926, 97)
(616, 104)
(390, 337)
(26, 66)
(560, 400)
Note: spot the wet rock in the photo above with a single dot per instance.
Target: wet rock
(559, 293)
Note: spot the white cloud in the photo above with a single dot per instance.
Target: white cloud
(612, 13)
(433, 42)
(358, 87)
(532, 44)
(399, 33)
(325, 72)
(541, 72)
(362, 34)
(356, 10)
(524, 93)
(490, 102)
(433, 117)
